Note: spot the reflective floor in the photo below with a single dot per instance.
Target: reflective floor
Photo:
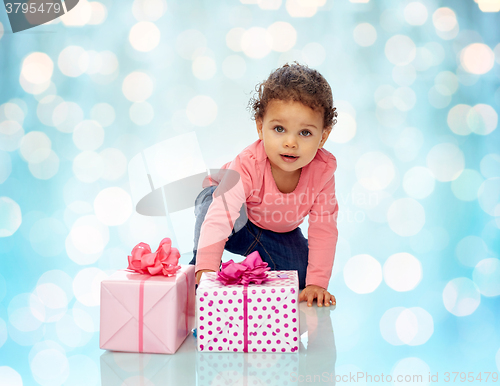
(314, 361)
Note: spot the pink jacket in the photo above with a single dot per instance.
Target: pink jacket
(270, 209)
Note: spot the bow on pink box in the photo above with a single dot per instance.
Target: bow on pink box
(163, 262)
(250, 270)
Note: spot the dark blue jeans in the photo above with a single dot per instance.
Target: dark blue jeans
(282, 251)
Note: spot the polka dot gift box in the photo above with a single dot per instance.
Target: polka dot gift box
(248, 318)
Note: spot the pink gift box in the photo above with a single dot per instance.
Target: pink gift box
(253, 318)
(143, 313)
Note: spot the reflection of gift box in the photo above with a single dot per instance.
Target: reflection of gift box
(143, 313)
(248, 318)
(227, 369)
(131, 369)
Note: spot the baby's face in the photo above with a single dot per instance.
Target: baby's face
(289, 127)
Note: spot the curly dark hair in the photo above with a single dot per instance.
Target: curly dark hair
(295, 82)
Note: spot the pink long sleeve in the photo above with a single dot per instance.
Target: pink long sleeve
(222, 214)
(322, 236)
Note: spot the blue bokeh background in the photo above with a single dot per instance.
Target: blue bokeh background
(417, 87)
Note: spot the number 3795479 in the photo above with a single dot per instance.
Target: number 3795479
(33, 8)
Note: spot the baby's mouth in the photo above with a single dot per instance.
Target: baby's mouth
(289, 158)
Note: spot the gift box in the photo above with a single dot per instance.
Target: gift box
(145, 313)
(248, 318)
(228, 369)
(133, 369)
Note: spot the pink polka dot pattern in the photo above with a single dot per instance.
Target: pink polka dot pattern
(272, 309)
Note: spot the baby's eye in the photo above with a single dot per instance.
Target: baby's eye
(306, 133)
(279, 128)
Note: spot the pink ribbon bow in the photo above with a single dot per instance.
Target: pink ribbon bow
(250, 270)
(163, 262)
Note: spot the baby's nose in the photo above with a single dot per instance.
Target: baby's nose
(290, 142)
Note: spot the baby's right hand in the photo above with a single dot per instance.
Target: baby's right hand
(198, 274)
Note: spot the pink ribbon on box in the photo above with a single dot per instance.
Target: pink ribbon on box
(250, 270)
(163, 262)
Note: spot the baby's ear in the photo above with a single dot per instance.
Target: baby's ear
(258, 123)
(324, 135)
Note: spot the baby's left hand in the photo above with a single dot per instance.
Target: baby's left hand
(312, 292)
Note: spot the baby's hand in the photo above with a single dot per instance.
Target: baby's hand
(198, 274)
(312, 292)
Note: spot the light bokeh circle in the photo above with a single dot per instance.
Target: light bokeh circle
(406, 217)
(148, 10)
(201, 110)
(11, 135)
(103, 113)
(204, 67)
(50, 367)
(37, 68)
(73, 61)
(88, 166)
(365, 34)
(418, 182)
(466, 186)
(387, 325)
(66, 115)
(345, 129)
(5, 166)
(88, 135)
(9, 376)
(314, 54)
(46, 169)
(489, 196)
(137, 86)
(256, 42)
(407, 146)
(415, 13)
(414, 326)
(444, 19)
(486, 276)
(482, 119)
(471, 250)
(11, 217)
(446, 161)
(362, 274)
(144, 36)
(114, 164)
(35, 146)
(402, 272)
(457, 119)
(375, 170)
(113, 206)
(490, 165)
(413, 367)
(141, 113)
(87, 286)
(400, 50)
(89, 235)
(461, 296)
(477, 58)
(283, 36)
